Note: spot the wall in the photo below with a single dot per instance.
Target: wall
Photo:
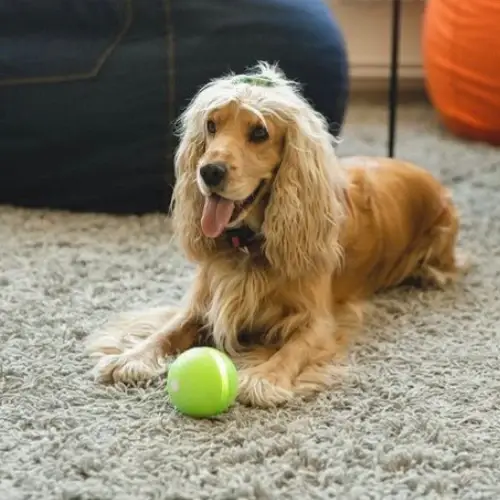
(367, 28)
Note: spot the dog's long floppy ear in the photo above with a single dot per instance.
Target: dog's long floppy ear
(187, 201)
(306, 207)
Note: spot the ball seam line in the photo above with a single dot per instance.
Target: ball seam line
(224, 375)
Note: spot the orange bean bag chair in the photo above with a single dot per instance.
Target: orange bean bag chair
(461, 57)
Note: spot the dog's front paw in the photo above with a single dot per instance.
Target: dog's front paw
(127, 368)
(258, 388)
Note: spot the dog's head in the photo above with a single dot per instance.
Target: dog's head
(253, 151)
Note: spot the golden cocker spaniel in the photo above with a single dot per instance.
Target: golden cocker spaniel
(288, 241)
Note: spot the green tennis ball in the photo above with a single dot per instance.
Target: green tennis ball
(202, 382)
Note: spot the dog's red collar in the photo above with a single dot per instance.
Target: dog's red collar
(241, 237)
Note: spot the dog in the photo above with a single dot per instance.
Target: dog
(289, 242)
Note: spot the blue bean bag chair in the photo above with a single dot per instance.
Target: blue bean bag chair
(89, 89)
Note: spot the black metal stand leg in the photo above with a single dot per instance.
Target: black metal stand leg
(393, 83)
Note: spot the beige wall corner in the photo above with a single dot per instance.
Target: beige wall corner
(367, 29)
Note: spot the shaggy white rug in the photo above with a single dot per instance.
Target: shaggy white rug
(418, 418)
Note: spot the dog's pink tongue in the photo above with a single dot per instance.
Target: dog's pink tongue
(216, 215)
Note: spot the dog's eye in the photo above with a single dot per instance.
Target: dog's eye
(211, 127)
(259, 134)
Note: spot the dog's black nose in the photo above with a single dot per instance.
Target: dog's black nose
(213, 174)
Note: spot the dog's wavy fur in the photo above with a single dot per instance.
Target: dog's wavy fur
(333, 234)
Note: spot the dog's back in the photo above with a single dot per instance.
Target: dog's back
(402, 223)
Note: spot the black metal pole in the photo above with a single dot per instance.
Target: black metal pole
(393, 83)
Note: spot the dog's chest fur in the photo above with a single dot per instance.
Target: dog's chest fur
(243, 303)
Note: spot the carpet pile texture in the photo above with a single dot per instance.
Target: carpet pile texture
(418, 416)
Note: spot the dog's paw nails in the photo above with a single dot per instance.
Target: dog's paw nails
(257, 390)
(127, 369)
